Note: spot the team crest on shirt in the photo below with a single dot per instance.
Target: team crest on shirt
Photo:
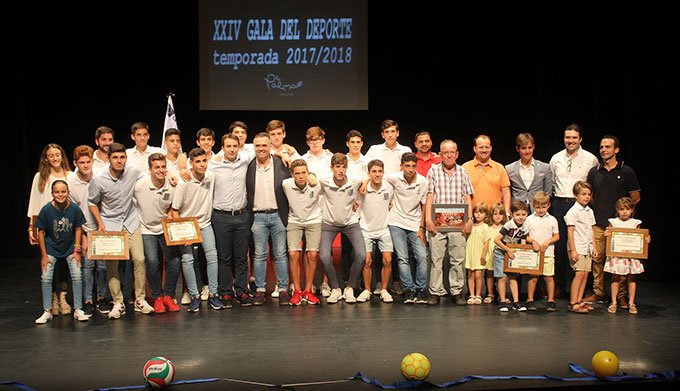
(311, 194)
(350, 192)
(166, 196)
(386, 196)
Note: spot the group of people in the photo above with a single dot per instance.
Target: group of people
(265, 197)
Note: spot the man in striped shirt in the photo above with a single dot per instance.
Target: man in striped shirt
(448, 183)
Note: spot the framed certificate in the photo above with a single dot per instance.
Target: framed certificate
(181, 231)
(108, 245)
(527, 261)
(627, 243)
(449, 217)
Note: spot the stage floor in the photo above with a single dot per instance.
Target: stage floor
(273, 344)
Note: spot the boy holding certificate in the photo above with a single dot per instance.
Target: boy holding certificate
(544, 232)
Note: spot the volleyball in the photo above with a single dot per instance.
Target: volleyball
(159, 372)
(415, 366)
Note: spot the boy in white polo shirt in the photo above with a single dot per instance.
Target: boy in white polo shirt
(304, 219)
(374, 207)
(339, 193)
(543, 231)
(195, 199)
(580, 220)
(154, 195)
(406, 223)
(138, 155)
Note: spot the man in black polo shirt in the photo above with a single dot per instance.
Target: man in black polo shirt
(611, 180)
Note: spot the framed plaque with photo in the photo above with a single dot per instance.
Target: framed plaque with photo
(527, 261)
(449, 217)
(181, 231)
(108, 245)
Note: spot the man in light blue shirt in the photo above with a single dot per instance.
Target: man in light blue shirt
(109, 199)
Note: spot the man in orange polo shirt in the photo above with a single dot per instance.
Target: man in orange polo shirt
(489, 178)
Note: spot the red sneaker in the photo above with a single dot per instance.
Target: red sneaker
(158, 306)
(297, 298)
(310, 298)
(172, 306)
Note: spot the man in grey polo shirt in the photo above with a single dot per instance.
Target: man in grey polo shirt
(110, 200)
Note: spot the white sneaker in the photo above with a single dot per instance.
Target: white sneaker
(44, 318)
(349, 295)
(186, 299)
(325, 289)
(117, 311)
(364, 296)
(275, 293)
(385, 296)
(378, 288)
(314, 290)
(334, 296)
(144, 307)
(205, 293)
(80, 316)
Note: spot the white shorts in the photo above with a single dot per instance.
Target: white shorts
(383, 238)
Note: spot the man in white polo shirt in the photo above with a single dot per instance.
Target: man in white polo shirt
(339, 193)
(194, 198)
(407, 226)
(78, 183)
(390, 151)
(374, 207)
(568, 166)
(103, 137)
(138, 155)
(154, 195)
(110, 201)
(304, 220)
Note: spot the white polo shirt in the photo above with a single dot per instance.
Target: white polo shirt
(390, 157)
(195, 198)
(303, 204)
(141, 159)
(568, 171)
(318, 165)
(153, 204)
(406, 211)
(582, 219)
(374, 209)
(542, 228)
(337, 202)
(99, 165)
(358, 168)
(77, 193)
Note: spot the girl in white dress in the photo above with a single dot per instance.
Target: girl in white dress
(624, 268)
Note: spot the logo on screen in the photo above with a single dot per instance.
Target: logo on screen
(274, 83)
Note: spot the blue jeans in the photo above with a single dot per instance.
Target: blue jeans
(264, 226)
(94, 270)
(46, 283)
(210, 252)
(400, 238)
(153, 265)
(232, 233)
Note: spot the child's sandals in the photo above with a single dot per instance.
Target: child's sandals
(612, 308)
(478, 299)
(488, 299)
(632, 309)
(577, 308)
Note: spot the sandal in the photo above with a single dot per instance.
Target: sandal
(587, 306)
(577, 308)
(632, 309)
(471, 300)
(478, 299)
(612, 308)
(488, 299)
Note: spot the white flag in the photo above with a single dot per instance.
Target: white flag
(170, 119)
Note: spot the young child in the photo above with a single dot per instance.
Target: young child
(498, 219)
(476, 249)
(544, 232)
(580, 220)
(514, 231)
(59, 232)
(624, 268)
